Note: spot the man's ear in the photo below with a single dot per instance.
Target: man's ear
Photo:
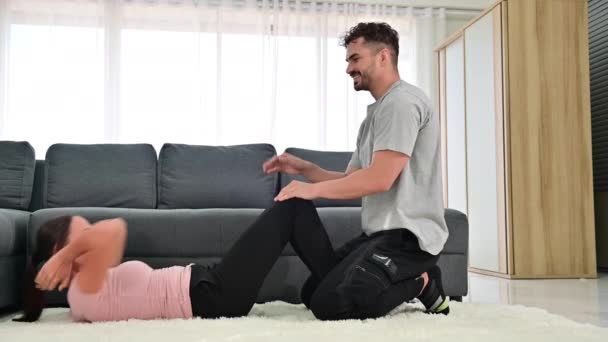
(385, 56)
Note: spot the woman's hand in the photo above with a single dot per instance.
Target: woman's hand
(57, 271)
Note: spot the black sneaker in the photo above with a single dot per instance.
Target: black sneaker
(433, 297)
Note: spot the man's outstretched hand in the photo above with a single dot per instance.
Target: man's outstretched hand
(292, 165)
(285, 163)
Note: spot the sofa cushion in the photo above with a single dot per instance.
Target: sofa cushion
(193, 176)
(17, 165)
(37, 193)
(163, 233)
(13, 226)
(193, 233)
(331, 161)
(103, 175)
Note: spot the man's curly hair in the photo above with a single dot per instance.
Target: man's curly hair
(379, 33)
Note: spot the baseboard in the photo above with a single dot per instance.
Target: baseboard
(528, 276)
(489, 273)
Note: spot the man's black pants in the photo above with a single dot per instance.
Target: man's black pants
(366, 278)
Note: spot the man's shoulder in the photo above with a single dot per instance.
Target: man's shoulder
(408, 94)
(405, 97)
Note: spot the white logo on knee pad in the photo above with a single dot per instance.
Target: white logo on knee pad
(383, 259)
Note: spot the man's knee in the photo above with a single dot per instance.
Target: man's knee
(354, 297)
(340, 302)
(336, 307)
(329, 306)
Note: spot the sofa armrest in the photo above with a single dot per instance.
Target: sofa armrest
(13, 230)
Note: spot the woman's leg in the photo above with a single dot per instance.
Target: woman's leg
(231, 287)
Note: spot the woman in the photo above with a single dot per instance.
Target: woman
(85, 258)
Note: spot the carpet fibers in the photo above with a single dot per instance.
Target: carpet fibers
(278, 321)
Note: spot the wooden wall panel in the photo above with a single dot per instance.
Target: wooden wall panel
(550, 143)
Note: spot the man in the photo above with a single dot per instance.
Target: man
(396, 170)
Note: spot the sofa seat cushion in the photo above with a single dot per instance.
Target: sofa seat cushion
(100, 175)
(17, 166)
(13, 228)
(198, 177)
(157, 232)
(344, 223)
(176, 233)
(211, 232)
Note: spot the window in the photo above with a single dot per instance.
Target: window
(55, 85)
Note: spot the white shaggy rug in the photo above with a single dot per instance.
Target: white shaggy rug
(278, 321)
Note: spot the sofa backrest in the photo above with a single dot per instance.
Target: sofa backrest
(17, 165)
(195, 176)
(37, 193)
(332, 161)
(184, 176)
(100, 175)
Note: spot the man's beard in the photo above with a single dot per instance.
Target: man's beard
(361, 84)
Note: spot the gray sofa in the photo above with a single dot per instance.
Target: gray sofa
(189, 204)
(17, 163)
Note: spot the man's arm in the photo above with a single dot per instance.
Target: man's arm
(315, 174)
(378, 177)
(293, 165)
(386, 166)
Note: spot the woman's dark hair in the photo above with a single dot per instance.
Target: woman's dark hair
(380, 33)
(51, 234)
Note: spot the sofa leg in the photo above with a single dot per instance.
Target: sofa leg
(456, 298)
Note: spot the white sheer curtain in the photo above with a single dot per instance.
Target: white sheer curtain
(212, 72)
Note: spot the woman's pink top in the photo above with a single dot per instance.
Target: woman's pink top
(133, 290)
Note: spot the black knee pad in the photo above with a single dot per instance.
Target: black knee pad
(366, 283)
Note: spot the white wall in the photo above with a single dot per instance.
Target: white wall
(453, 24)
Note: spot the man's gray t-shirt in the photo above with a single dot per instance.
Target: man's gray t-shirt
(402, 120)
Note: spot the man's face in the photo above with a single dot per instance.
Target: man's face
(361, 61)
